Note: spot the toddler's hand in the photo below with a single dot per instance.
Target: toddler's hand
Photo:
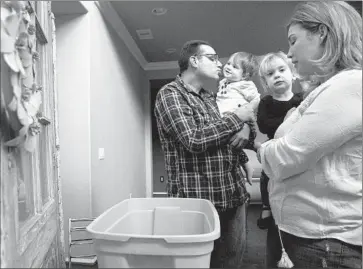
(249, 180)
(257, 145)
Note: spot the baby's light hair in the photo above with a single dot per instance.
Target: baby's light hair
(247, 62)
(266, 63)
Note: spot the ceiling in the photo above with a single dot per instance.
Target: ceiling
(230, 26)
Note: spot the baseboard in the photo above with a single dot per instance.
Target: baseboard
(88, 261)
(255, 203)
(160, 194)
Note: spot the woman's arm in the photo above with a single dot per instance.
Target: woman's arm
(332, 119)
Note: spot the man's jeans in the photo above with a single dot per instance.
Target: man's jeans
(312, 253)
(230, 247)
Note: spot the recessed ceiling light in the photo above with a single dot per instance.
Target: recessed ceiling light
(170, 51)
(159, 11)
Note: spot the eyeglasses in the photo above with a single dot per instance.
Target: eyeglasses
(212, 57)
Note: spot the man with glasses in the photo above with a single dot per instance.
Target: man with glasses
(196, 141)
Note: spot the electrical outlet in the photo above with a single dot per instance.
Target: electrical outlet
(161, 179)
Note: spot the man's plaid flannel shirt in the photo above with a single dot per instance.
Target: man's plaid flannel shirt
(195, 140)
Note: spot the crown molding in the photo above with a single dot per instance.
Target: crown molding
(115, 21)
(157, 66)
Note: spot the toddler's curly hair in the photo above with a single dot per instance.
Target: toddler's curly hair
(247, 62)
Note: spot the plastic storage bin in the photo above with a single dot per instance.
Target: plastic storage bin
(156, 233)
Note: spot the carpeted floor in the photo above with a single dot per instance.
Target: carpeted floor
(256, 241)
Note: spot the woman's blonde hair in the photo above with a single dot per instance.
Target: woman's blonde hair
(343, 42)
(266, 63)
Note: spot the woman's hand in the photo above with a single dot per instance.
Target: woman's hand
(289, 112)
(258, 155)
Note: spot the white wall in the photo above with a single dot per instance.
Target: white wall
(74, 112)
(118, 85)
(101, 104)
(73, 72)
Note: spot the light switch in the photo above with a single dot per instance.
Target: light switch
(101, 153)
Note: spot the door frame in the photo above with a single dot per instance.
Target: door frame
(36, 242)
(56, 156)
(149, 140)
(148, 145)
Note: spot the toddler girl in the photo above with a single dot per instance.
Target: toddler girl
(276, 74)
(237, 89)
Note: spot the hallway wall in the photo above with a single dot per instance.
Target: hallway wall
(118, 85)
(73, 87)
(101, 105)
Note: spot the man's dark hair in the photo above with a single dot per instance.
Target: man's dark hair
(189, 49)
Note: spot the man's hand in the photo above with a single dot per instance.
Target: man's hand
(240, 139)
(245, 113)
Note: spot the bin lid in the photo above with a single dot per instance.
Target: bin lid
(163, 209)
